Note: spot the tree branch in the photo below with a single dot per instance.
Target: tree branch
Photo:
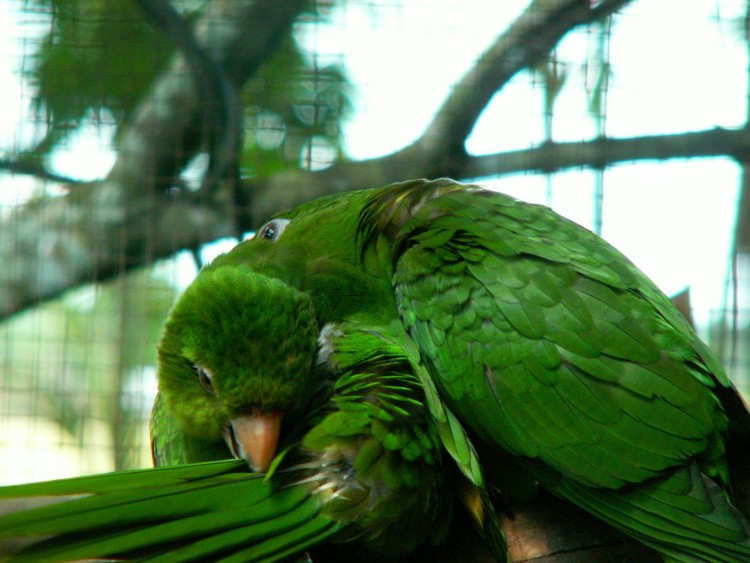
(440, 150)
(602, 152)
(550, 530)
(531, 37)
(549, 157)
(222, 113)
(29, 167)
(126, 220)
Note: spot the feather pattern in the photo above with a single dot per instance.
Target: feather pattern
(570, 357)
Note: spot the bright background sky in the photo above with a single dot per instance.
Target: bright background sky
(674, 70)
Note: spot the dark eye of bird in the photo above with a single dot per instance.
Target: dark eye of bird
(204, 378)
(268, 232)
(273, 229)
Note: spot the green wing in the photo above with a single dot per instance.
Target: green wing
(383, 461)
(550, 344)
(383, 414)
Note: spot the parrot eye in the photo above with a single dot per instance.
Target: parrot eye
(204, 378)
(273, 229)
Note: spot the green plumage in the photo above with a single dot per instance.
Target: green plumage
(545, 341)
(402, 329)
(362, 469)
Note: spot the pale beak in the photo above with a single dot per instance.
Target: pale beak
(254, 438)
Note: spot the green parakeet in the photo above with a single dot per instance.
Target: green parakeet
(528, 349)
(560, 358)
(364, 471)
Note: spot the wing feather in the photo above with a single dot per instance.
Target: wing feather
(545, 344)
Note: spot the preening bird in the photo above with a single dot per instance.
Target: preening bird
(243, 361)
(521, 346)
(244, 370)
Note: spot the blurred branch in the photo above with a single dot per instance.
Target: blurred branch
(440, 150)
(527, 41)
(548, 157)
(36, 169)
(126, 220)
(550, 530)
(222, 112)
(742, 228)
(239, 36)
(604, 151)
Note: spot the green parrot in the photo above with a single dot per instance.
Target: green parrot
(243, 361)
(529, 351)
(561, 359)
(362, 471)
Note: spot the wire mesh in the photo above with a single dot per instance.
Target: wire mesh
(360, 80)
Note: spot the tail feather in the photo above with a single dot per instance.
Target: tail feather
(279, 547)
(685, 515)
(209, 511)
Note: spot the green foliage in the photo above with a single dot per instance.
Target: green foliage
(100, 57)
(291, 104)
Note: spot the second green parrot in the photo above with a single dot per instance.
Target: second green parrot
(561, 359)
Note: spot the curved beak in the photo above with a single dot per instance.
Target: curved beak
(254, 438)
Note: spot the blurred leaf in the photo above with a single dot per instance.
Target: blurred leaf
(102, 55)
(290, 102)
(98, 54)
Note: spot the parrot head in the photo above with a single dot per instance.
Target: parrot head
(237, 360)
(338, 248)
(331, 266)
